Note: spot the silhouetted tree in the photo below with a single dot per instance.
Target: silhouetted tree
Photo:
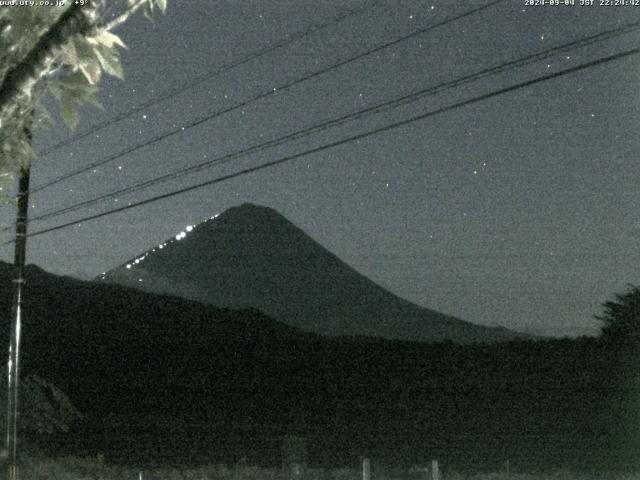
(619, 377)
(621, 318)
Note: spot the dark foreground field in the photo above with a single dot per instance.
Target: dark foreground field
(153, 380)
(78, 468)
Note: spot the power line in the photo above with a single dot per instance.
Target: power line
(394, 103)
(360, 136)
(263, 95)
(208, 76)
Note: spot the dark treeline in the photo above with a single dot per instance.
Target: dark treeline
(164, 379)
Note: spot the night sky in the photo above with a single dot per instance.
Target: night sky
(521, 210)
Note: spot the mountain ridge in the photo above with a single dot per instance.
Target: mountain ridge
(252, 256)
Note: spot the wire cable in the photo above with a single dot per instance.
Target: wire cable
(207, 76)
(337, 143)
(394, 103)
(262, 95)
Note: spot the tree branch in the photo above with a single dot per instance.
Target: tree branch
(19, 80)
(120, 19)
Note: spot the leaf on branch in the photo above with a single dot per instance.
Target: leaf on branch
(55, 90)
(72, 91)
(93, 100)
(88, 62)
(91, 70)
(76, 83)
(41, 115)
(26, 154)
(69, 111)
(16, 151)
(162, 5)
(69, 54)
(109, 61)
(148, 10)
(107, 39)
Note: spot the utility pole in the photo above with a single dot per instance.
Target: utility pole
(17, 313)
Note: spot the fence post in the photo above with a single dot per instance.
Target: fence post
(294, 455)
(366, 469)
(435, 471)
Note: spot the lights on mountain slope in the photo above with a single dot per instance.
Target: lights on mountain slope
(178, 237)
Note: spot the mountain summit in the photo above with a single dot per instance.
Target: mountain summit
(251, 256)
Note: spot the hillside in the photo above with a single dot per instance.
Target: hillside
(161, 378)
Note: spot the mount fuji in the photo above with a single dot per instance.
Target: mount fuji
(252, 256)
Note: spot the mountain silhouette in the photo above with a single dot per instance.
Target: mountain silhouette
(251, 256)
